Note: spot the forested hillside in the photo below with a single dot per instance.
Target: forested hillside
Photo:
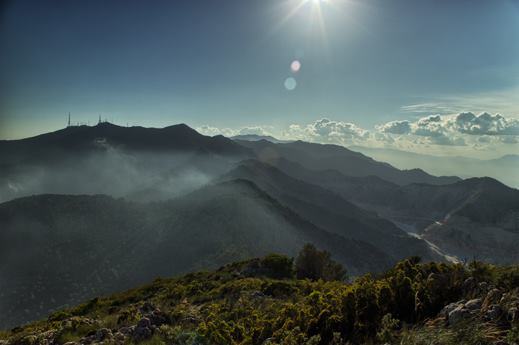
(278, 300)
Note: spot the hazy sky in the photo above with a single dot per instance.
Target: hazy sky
(224, 63)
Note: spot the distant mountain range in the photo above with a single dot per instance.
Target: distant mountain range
(481, 215)
(175, 201)
(329, 210)
(256, 137)
(334, 157)
(505, 168)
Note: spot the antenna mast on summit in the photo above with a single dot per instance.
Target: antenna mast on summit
(68, 120)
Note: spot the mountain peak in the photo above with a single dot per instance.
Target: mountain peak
(103, 124)
(74, 139)
(485, 182)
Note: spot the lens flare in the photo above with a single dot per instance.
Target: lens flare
(295, 66)
(290, 83)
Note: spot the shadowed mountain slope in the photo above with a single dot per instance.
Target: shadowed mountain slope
(143, 163)
(58, 250)
(78, 139)
(330, 211)
(482, 200)
(477, 217)
(322, 157)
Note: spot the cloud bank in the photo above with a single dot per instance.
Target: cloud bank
(482, 131)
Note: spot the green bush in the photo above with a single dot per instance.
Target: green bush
(513, 336)
(388, 325)
(231, 307)
(59, 315)
(280, 266)
(314, 264)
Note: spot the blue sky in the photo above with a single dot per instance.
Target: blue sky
(224, 63)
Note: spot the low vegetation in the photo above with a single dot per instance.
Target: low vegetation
(278, 300)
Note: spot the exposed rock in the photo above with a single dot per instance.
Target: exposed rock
(473, 304)
(493, 297)
(142, 334)
(513, 314)
(458, 314)
(143, 330)
(494, 312)
(158, 318)
(127, 331)
(103, 334)
(119, 337)
(449, 308)
(483, 287)
(89, 339)
(461, 310)
(469, 285)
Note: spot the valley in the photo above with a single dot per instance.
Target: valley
(174, 201)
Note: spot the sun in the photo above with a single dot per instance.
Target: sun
(315, 9)
(318, 2)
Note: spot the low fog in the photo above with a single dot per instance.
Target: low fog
(63, 250)
(142, 176)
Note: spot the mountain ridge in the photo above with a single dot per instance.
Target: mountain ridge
(327, 156)
(174, 137)
(81, 246)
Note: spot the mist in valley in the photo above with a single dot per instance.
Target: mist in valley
(139, 176)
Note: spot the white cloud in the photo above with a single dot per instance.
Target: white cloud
(395, 127)
(212, 131)
(257, 130)
(430, 126)
(459, 129)
(329, 131)
(485, 124)
(463, 133)
(229, 132)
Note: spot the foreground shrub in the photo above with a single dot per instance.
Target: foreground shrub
(314, 264)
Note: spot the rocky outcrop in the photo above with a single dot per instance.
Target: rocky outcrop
(456, 312)
(495, 306)
(144, 329)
